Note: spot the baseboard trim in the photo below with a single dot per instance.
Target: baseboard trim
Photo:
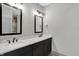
(55, 53)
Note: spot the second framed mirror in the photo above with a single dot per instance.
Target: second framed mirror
(38, 24)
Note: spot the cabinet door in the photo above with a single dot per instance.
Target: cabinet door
(42, 48)
(38, 49)
(25, 51)
(47, 49)
(47, 46)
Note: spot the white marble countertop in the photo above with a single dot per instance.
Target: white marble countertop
(4, 47)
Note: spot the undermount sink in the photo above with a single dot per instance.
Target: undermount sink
(21, 41)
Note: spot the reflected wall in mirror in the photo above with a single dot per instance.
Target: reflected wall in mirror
(11, 20)
(38, 24)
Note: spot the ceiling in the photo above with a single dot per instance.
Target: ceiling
(44, 4)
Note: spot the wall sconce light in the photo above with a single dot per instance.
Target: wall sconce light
(39, 13)
(18, 5)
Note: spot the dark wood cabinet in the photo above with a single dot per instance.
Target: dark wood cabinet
(47, 46)
(24, 51)
(38, 50)
(42, 48)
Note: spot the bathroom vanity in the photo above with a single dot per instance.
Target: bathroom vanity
(11, 24)
(38, 46)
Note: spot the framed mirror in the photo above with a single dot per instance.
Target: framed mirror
(38, 24)
(10, 20)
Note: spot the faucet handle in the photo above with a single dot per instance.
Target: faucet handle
(15, 39)
(9, 41)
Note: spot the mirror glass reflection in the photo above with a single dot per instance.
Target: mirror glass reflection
(38, 24)
(11, 19)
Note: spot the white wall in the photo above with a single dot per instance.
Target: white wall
(27, 21)
(63, 22)
(28, 18)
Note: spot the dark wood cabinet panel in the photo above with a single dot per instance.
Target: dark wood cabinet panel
(42, 48)
(47, 50)
(38, 50)
(48, 46)
(25, 51)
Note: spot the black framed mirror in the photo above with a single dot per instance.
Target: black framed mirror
(10, 20)
(38, 24)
